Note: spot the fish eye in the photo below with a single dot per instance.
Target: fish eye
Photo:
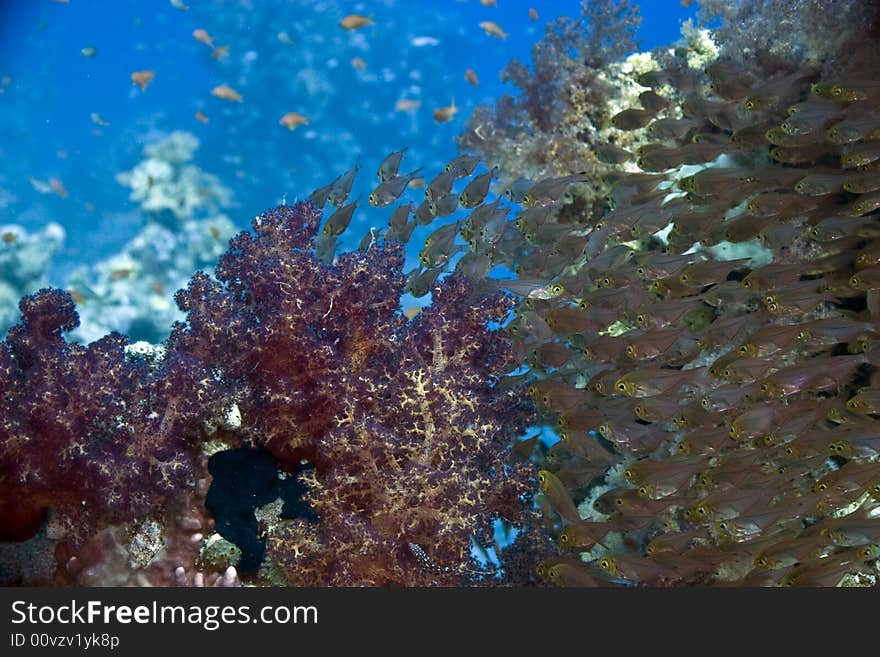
(630, 350)
(644, 491)
(557, 289)
(848, 186)
(854, 281)
(621, 387)
(604, 430)
(749, 104)
(799, 187)
(641, 163)
(641, 319)
(705, 403)
(684, 278)
(605, 564)
(727, 373)
(563, 538)
(541, 478)
(619, 501)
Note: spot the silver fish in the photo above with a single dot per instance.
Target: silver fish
(390, 165)
(341, 187)
(389, 191)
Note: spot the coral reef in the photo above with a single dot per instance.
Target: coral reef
(400, 419)
(88, 436)
(24, 264)
(169, 188)
(104, 448)
(765, 34)
(131, 292)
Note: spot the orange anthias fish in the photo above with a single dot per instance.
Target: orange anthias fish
(493, 29)
(355, 21)
(407, 105)
(471, 76)
(226, 93)
(202, 35)
(58, 187)
(201, 118)
(292, 120)
(143, 78)
(444, 114)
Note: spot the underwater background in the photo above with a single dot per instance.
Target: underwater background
(69, 110)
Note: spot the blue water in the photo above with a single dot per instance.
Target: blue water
(50, 91)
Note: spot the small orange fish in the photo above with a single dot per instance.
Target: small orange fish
(358, 63)
(202, 35)
(8, 237)
(220, 52)
(142, 78)
(471, 76)
(489, 3)
(355, 21)
(444, 114)
(201, 118)
(493, 29)
(58, 187)
(226, 93)
(120, 274)
(407, 105)
(533, 13)
(292, 120)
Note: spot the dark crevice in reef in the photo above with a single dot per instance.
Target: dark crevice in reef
(245, 479)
